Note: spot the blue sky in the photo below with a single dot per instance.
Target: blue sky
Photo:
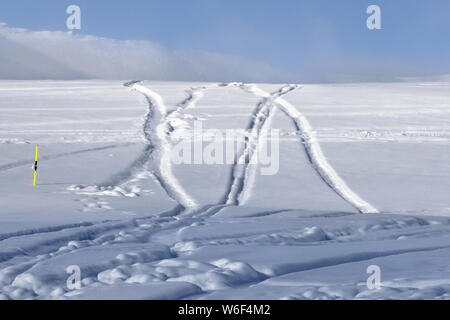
(303, 35)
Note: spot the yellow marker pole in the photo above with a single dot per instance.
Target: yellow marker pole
(36, 165)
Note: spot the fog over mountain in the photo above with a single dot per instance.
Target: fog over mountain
(42, 55)
(58, 55)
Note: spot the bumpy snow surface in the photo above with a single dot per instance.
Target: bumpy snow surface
(363, 180)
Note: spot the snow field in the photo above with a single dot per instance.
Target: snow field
(140, 227)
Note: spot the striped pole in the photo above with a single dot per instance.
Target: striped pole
(36, 166)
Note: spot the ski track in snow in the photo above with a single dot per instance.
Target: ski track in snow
(156, 154)
(319, 161)
(137, 232)
(239, 188)
(67, 239)
(264, 111)
(23, 163)
(156, 120)
(156, 131)
(90, 234)
(44, 244)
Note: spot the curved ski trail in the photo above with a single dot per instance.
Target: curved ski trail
(156, 132)
(157, 128)
(263, 113)
(319, 161)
